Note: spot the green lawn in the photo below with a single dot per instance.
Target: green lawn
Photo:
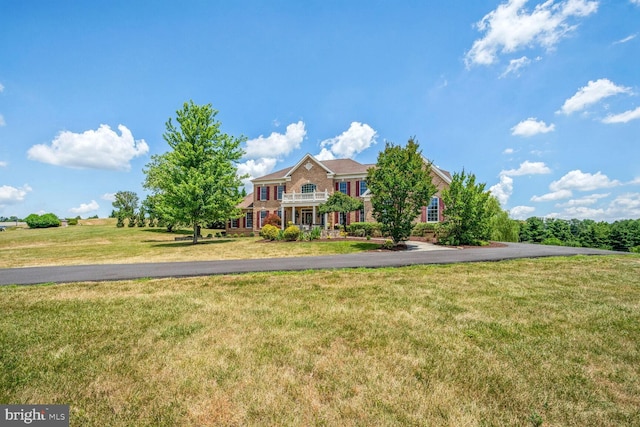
(554, 340)
(100, 242)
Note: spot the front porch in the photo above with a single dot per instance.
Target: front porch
(302, 210)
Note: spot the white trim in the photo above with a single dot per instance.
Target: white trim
(308, 157)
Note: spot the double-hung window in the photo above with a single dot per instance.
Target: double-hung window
(433, 210)
(249, 220)
(363, 187)
(264, 192)
(342, 187)
(280, 192)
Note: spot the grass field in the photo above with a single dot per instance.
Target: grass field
(552, 342)
(100, 242)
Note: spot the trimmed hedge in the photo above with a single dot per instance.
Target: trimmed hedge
(363, 229)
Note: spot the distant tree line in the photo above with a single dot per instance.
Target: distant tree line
(623, 235)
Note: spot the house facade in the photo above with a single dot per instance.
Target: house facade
(295, 193)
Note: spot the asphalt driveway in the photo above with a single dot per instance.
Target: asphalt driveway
(416, 255)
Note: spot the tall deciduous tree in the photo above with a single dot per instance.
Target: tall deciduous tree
(197, 182)
(401, 185)
(342, 203)
(466, 210)
(125, 203)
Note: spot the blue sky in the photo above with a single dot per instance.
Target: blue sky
(539, 99)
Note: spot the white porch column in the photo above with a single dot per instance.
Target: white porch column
(313, 220)
(282, 217)
(326, 221)
(293, 214)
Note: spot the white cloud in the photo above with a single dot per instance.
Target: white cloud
(625, 206)
(3, 164)
(584, 201)
(2, 121)
(325, 154)
(528, 168)
(521, 212)
(578, 180)
(1, 88)
(85, 208)
(276, 144)
(556, 195)
(625, 117)
(503, 190)
(12, 195)
(590, 94)
(354, 140)
(531, 127)
(255, 169)
(93, 149)
(636, 2)
(626, 39)
(515, 65)
(508, 151)
(511, 27)
(582, 212)
(109, 197)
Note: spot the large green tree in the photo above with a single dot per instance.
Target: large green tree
(340, 202)
(125, 204)
(467, 211)
(196, 182)
(400, 185)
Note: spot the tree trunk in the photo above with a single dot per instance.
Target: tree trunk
(196, 230)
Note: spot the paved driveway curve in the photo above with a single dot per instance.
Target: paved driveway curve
(414, 256)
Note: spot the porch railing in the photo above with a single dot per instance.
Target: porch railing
(293, 197)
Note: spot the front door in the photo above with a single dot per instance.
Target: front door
(307, 217)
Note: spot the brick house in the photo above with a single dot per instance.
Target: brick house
(294, 194)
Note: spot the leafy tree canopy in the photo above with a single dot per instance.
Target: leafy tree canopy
(400, 185)
(196, 182)
(340, 202)
(467, 211)
(125, 203)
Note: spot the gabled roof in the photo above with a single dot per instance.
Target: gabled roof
(308, 157)
(334, 167)
(339, 167)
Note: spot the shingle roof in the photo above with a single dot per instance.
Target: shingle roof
(247, 202)
(337, 166)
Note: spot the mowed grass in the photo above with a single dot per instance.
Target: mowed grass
(101, 242)
(553, 341)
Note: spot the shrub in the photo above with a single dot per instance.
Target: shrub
(273, 219)
(553, 241)
(315, 233)
(42, 221)
(291, 233)
(269, 232)
(422, 229)
(362, 229)
(635, 249)
(72, 221)
(388, 244)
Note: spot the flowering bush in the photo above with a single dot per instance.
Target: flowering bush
(291, 233)
(269, 232)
